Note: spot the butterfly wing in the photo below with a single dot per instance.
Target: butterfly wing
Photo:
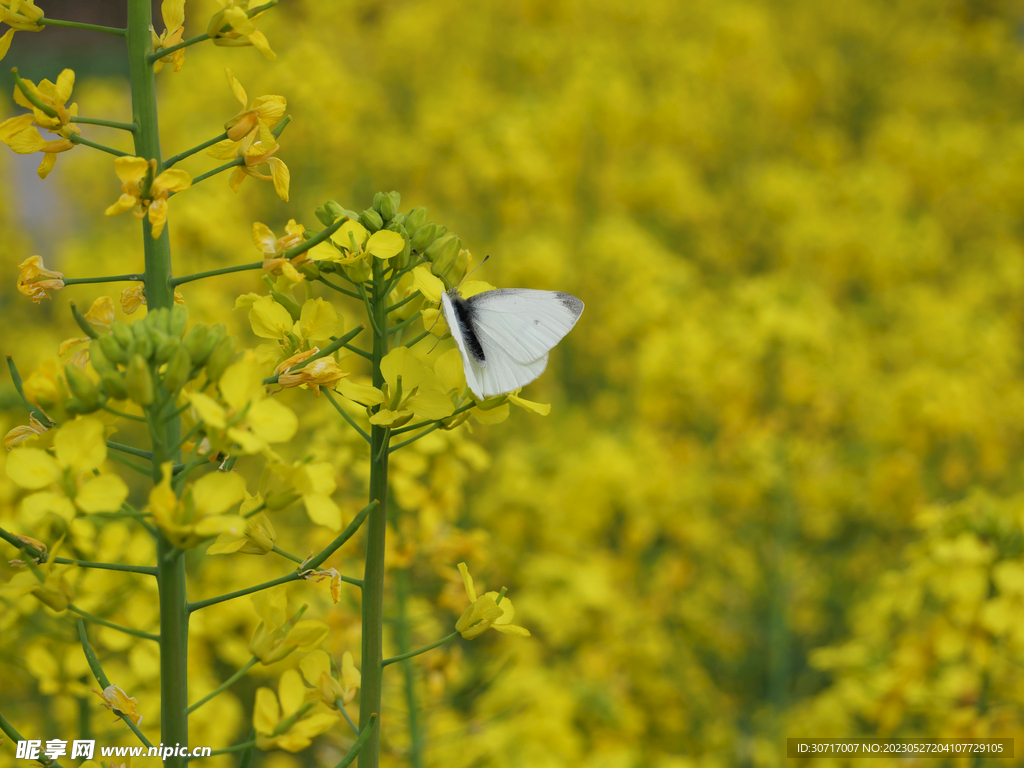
(504, 336)
(526, 324)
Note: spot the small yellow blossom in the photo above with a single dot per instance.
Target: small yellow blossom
(21, 14)
(173, 12)
(320, 373)
(53, 591)
(198, 514)
(34, 280)
(313, 482)
(133, 172)
(485, 612)
(316, 667)
(135, 296)
(42, 387)
(421, 393)
(246, 416)
(268, 715)
(120, 703)
(20, 134)
(79, 447)
(255, 536)
(23, 432)
(270, 246)
(232, 26)
(353, 248)
(276, 635)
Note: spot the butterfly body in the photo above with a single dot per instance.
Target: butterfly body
(504, 335)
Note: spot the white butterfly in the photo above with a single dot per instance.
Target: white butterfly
(504, 335)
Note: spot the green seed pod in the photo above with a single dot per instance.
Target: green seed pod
(115, 385)
(213, 338)
(112, 350)
(194, 339)
(278, 500)
(221, 358)
(166, 347)
(288, 303)
(178, 370)
(178, 321)
(139, 381)
(415, 219)
(100, 362)
(423, 237)
(378, 201)
(360, 272)
(81, 386)
(123, 333)
(84, 324)
(371, 220)
(309, 270)
(389, 205)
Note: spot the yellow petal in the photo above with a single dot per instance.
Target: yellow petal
(81, 444)
(173, 180)
(291, 692)
(350, 230)
(49, 160)
(307, 634)
(158, 215)
(259, 41)
(131, 170)
(209, 410)
(385, 244)
(217, 492)
(124, 203)
(427, 283)
(542, 408)
(281, 175)
(314, 664)
(5, 43)
(105, 493)
(349, 672)
(360, 393)
(13, 126)
(323, 511)
(401, 362)
(269, 320)
(266, 712)
(493, 416)
(430, 402)
(319, 320)
(272, 421)
(38, 504)
(467, 582)
(27, 141)
(237, 89)
(263, 238)
(449, 371)
(270, 108)
(101, 313)
(173, 12)
(511, 629)
(65, 82)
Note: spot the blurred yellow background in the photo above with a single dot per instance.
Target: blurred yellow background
(779, 493)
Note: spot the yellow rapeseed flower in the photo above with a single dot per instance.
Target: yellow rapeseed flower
(79, 447)
(485, 612)
(133, 172)
(21, 433)
(101, 317)
(120, 703)
(232, 26)
(34, 279)
(173, 12)
(270, 246)
(313, 482)
(317, 669)
(20, 134)
(276, 636)
(134, 297)
(21, 15)
(421, 393)
(199, 513)
(268, 716)
(53, 591)
(255, 536)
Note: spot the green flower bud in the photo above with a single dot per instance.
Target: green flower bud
(123, 333)
(389, 205)
(378, 201)
(75, 407)
(398, 218)
(359, 272)
(160, 319)
(324, 215)
(115, 385)
(214, 336)
(100, 362)
(415, 219)
(423, 237)
(221, 358)
(82, 387)
(288, 303)
(143, 344)
(139, 381)
(278, 500)
(178, 370)
(442, 253)
(309, 270)
(371, 220)
(178, 321)
(112, 350)
(84, 324)
(194, 339)
(166, 347)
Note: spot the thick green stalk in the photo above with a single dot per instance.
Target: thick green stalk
(167, 430)
(404, 641)
(373, 578)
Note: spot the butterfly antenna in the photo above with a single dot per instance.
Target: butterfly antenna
(470, 274)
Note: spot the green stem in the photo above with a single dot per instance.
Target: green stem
(315, 562)
(189, 152)
(418, 651)
(27, 548)
(225, 685)
(414, 439)
(143, 569)
(166, 430)
(344, 713)
(16, 380)
(15, 737)
(292, 719)
(403, 637)
(214, 272)
(80, 25)
(345, 416)
(411, 297)
(413, 427)
(236, 748)
(112, 625)
(76, 139)
(369, 732)
(370, 314)
(101, 678)
(338, 288)
(130, 464)
(373, 578)
(408, 321)
(417, 340)
(131, 127)
(358, 351)
(130, 450)
(46, 109)
(287, 555)
(108, 409)
(218, 169)
(242, 592)
(111, 279)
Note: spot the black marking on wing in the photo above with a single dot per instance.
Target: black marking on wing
(464, 317)
(571, 303)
